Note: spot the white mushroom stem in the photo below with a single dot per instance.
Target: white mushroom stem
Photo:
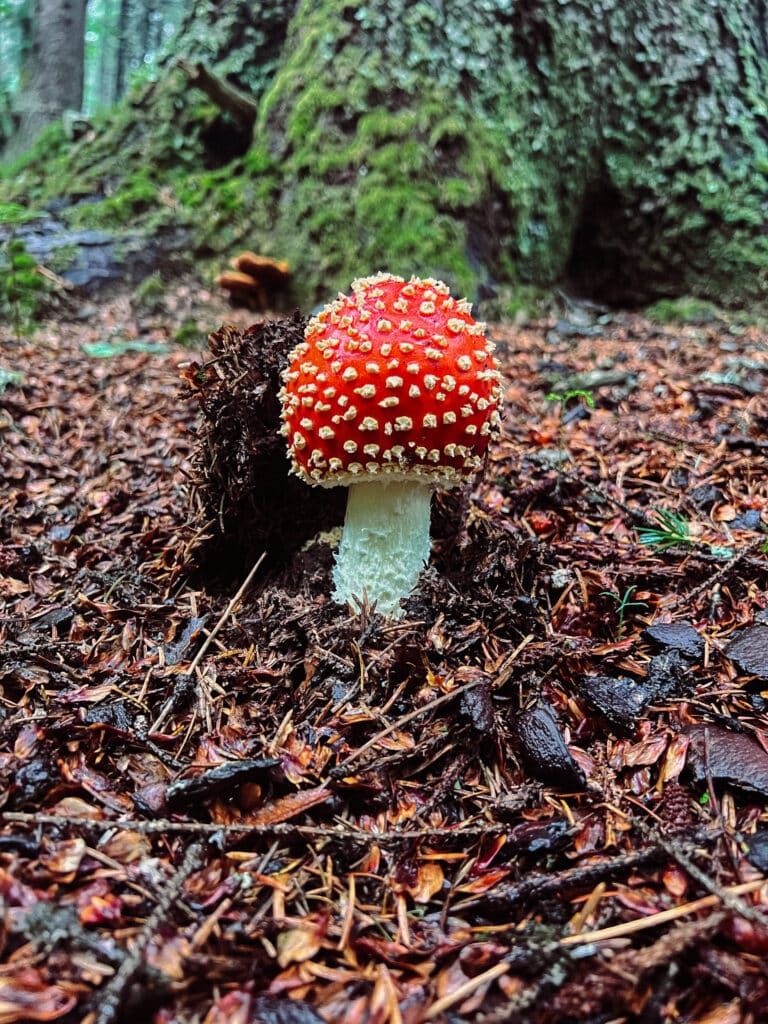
(385, 542)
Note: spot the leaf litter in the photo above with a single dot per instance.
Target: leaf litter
(540, 796)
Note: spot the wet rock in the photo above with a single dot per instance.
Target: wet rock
(32, 782)
(726, 756)
(572, 329)
(705, 495)
(665, 673)
(543, 750)
(680, 636)
(271, 1010)
(89, 260)
(747, 520)
(749, 651)
(623, 700)
(119, 715)
(535, 837)
(477, 705)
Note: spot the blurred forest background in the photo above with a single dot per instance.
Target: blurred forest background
(74, 56)
(618, 149)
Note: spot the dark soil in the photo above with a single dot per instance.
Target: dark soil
(539, 796)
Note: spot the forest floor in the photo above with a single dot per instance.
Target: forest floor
(539, 796)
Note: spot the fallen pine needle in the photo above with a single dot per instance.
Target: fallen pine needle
(618, 931)
(168, 706)
(464, 990)
(225, 614)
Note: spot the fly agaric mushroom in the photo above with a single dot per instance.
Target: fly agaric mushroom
(394, 392)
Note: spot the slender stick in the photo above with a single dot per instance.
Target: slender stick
(225, 614)
(168, 706)
(113, 995)
(446, 1002)
(618, 931)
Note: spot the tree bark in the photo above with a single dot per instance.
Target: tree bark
(620, 146)
(107, 70)
(124, 49)
(55, 66)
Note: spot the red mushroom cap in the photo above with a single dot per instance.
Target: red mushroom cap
(397, 379)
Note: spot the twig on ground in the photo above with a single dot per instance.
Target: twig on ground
(745, 555)
(728, 896)
(342, 832)
(640, 924)
(505, 896)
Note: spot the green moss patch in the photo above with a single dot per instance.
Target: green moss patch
(686, 310)
(22, 290)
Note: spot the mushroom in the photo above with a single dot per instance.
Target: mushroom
(255, 280)
(394, 392)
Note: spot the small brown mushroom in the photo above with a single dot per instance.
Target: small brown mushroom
(243, 289)
(264, 269)
(256, 281)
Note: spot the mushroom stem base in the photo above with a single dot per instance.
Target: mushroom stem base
(385, 543)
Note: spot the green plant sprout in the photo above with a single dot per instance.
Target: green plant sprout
(555, 396)
(564, 399)
(671, 530)
(624, 603)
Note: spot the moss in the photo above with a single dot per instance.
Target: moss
(62, 258)
(385, 158)
(50, 146)
(23, 291)
(137, 197)
(506, 170)
(190, 334)
(13, 213)
(518, 304)
(149, 295)
(686, 310)
(503, 143)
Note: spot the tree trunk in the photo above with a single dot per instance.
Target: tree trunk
(619, 146)
(15, 41)
(55, 67)
(124, 49)
(107, 69)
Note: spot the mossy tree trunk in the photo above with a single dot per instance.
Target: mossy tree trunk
(620, 146)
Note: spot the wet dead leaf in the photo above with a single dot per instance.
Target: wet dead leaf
(26, 997)
(296, 945)
(727, 756)
(750, 651)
